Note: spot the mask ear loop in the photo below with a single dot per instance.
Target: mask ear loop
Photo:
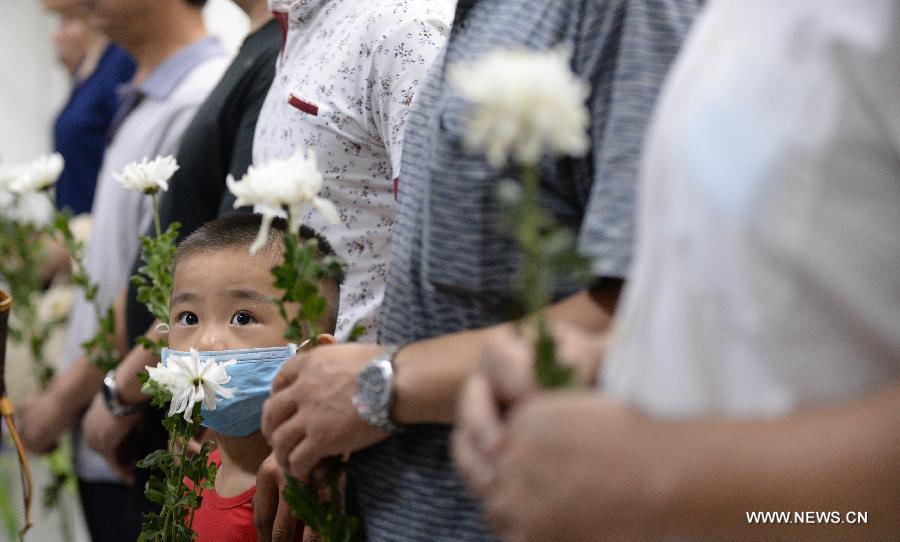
(162, 328)
(305, 345)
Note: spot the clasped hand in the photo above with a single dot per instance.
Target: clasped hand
(310, 415)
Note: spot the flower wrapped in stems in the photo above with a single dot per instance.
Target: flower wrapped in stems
(527, 105)
(154, 277)
(288, 188)
(183, 384)
(26, 219)
(26, 211)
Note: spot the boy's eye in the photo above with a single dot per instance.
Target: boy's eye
(188, 319)
(242, 318)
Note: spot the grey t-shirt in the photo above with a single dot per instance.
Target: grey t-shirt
(451, 267)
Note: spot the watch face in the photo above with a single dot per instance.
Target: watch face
(374, 392)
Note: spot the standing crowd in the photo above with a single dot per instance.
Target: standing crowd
(737, 345)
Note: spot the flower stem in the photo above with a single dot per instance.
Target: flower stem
(155, 214)
(530, 240)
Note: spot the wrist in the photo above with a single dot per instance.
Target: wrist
(375, 391)
(409, 405)
(112, 398)
(129, 388)
(403, 374)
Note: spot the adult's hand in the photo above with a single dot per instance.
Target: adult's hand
(574, 466)
(271, 513)
(107, 434)
(311, 415)
(504, 378)
(42, 419)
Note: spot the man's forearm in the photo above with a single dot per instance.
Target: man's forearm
(76, 386)
(844, 459)
(430, 373)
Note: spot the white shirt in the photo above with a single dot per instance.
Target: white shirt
(768, 270)
(353, 68)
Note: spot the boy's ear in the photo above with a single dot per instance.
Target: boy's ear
(326, 338)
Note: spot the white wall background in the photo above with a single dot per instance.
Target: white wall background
(33, 87)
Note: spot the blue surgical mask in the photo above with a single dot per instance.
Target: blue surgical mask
(251, 377)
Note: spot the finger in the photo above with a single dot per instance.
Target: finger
(302, 459)
(194, 446)
(580, 350)
(318, 476)
(508, 367)
(288, 373)
(311, 536)
(286, 438)
(477, 434)
(475, 473)
(265, 504)
(285, 527)
(276, 410)
(480, 411)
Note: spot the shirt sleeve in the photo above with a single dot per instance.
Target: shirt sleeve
(400, 62)
(624, 49)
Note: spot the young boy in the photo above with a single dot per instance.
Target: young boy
(222, 306)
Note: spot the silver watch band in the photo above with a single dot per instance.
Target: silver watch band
(375, 408)
(111, 397)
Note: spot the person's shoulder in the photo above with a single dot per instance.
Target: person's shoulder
(397, 16)
(200, 80)
(400, 27)
(262, 45)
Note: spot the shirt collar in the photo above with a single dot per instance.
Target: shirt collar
(163, 80)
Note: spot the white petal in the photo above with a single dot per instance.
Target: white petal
(328, 210)
(263, 236)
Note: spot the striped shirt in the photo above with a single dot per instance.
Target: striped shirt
(149, 122)
(451, 267)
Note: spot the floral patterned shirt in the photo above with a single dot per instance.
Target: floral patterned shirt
(344, 84)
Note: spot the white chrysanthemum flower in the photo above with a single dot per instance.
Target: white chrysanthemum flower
(191, 381)
(148, 176)
(9, 173)
(282, 188)
(525, 104)
(31, 209)
(40, 174)
(7, 199)
(54, 305)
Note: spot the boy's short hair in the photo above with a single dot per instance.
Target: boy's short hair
(239, 230)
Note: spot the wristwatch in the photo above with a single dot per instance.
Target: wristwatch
(374, 394)
(111, 397)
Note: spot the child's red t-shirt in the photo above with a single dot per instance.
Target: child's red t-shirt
(221, 519)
